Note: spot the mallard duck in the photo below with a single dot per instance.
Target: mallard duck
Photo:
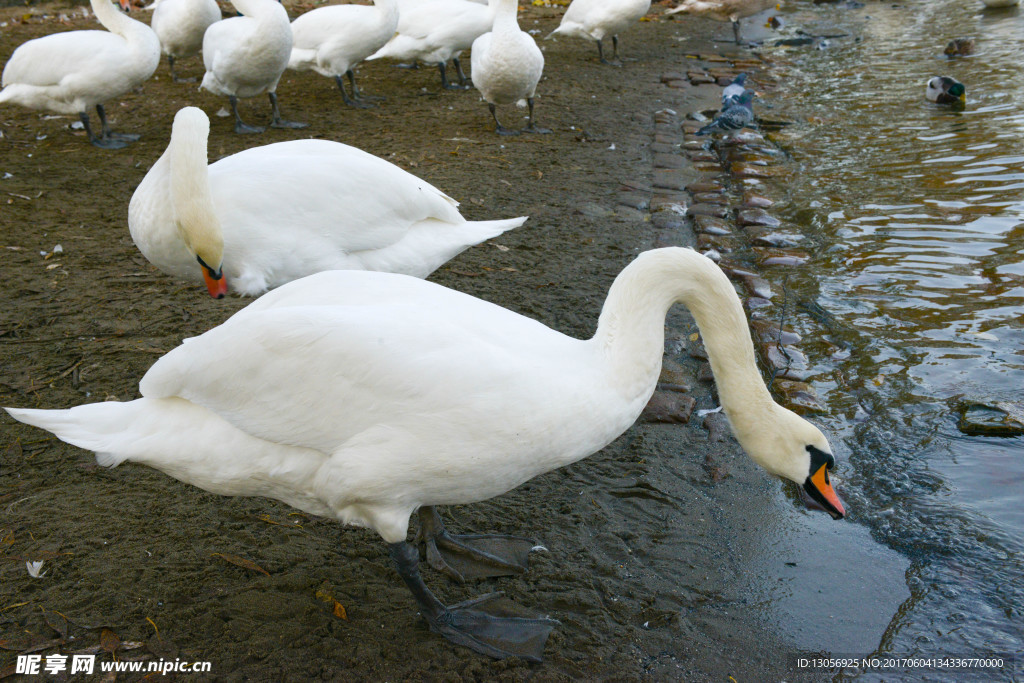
(945, 90)
(959, 47)
(366, 397)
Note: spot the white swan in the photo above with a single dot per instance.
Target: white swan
(73, 71)
(366, 396)
(724, 10)
(436, 31)
(597, 19)
(507, 64)
(333, 40)
(245, 56)
(276, 213)
(180, 26)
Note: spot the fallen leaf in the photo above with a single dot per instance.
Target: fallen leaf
(109, 640)
(242, 562)
(339, 611)
(57, 621)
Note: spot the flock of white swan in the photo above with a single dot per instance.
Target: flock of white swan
(354, 388)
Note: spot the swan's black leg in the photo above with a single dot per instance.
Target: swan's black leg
(102, 142)
(350, 101)
(241, 126)
(486, 625)
(463, 81)
(500, 129)
(275, 115)
(174, 76)
(600, 54)
(471, 556)
(531, 128)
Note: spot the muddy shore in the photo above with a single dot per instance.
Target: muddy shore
(660, 560)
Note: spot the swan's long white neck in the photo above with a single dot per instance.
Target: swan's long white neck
(191, 196)
(114, 20)
(505, 16)
(631, 331)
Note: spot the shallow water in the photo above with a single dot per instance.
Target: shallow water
(915, 212)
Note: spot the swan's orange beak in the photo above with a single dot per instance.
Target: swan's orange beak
(820, 489)
(216, 283)
(126, 5)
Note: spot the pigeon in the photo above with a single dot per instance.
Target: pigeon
(731, 93)
(736, 116)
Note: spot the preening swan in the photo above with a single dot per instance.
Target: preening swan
(507, 64)
(333, 40)
(724, 10)
(73, 71)
(365, 397)
(271, 214)
(180, 26)
(245, 56)
(597, 19)
(436, 31)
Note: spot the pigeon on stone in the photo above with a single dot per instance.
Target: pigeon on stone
(736, 116)
(731, 93)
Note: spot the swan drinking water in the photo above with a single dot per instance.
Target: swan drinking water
(72, 71)
(270, 214)
(365, 397)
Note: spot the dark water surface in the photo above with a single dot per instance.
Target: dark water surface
(916, 212)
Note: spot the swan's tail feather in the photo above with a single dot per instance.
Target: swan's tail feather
(96, 427)
(485, 230)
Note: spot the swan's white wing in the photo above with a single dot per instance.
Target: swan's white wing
(418, 359)
(50, 59)
(326, 192)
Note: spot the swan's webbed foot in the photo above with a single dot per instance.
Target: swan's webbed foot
(175, 77)
(532, 127)
(353, 101)
(489, 624)
(104, 142)
(108, 139)
(275, 116)
(446, 84)
(241, 127)
(615, 55)
(471, 556)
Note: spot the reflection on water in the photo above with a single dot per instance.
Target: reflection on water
(917, 213)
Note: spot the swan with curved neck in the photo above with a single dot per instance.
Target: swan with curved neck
(332, 40)
(368, 396)
(272, 214)
(71, 72)
(245, 56)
